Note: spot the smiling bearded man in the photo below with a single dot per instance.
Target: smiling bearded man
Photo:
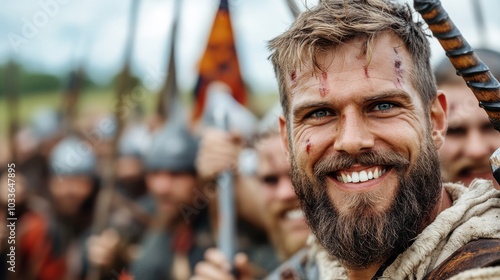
(362, 122)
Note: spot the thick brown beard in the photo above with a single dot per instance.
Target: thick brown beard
(364, 237)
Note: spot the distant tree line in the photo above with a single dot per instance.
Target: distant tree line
(32, 83)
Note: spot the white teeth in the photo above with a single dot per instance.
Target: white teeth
(355, 177)
(294, 214)
(362, 176)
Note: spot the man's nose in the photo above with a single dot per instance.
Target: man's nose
(285, 189)
(475, 145)
(352, 134)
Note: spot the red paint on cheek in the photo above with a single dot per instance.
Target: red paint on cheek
(323, 88)
(308, 146)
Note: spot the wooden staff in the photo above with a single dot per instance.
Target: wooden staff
(170, 90)
(293, 8)
(105, 197)
(476, 74)
(12, 93)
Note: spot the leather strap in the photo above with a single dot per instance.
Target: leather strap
(475, 254)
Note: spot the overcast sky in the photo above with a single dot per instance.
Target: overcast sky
(55, 35)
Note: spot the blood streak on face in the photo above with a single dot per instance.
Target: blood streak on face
(308, 146)
(398, 70)
(323, 89)
(293, 76)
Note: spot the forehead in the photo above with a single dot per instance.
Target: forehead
(463, 105)
(386, 59)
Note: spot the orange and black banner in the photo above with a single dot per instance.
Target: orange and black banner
(219, 62)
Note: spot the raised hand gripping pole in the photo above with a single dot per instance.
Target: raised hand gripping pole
(475, 72)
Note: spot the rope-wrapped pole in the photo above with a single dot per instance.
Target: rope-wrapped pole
(476, 74)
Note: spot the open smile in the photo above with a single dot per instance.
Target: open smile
(360, 177)
(371, 173)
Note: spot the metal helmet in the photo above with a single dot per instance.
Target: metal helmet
(269, 124)
(46, 123)
(173, 148)
(134, 142)
(221, 105)
(71, 157)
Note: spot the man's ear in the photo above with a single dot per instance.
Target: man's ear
(439, 118)
(284, 136)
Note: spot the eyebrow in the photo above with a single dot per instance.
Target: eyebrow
(393, 93)
(309, 105)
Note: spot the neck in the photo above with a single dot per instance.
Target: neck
(443, 203)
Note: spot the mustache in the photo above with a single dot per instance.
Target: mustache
(463, 167)
(370, 158)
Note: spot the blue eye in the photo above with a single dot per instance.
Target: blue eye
(320, 113)
(383, 106)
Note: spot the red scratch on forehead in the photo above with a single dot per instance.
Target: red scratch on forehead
(323, 87)
(398, 69)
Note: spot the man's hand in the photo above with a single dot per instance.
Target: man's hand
(102, 248)
(219, 150)
(217, 267)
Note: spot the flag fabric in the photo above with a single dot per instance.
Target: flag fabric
(219, 62)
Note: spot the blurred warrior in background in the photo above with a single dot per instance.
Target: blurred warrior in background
(470, 138)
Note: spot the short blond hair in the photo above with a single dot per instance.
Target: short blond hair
(335, 22)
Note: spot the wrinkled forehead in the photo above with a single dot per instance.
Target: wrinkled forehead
(387, 46)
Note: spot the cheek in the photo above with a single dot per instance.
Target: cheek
(313, 144)
(266, 194)
(493, 139)
(84, 191)
(183, 189)
(57, 190)
(450, 148)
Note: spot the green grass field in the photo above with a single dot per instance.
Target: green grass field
(102, 101)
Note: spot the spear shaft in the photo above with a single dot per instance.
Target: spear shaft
(12, 93)
(105, 197)
(170, 90)
(476, 74)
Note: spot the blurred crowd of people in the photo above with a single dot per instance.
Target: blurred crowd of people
(163, 213)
